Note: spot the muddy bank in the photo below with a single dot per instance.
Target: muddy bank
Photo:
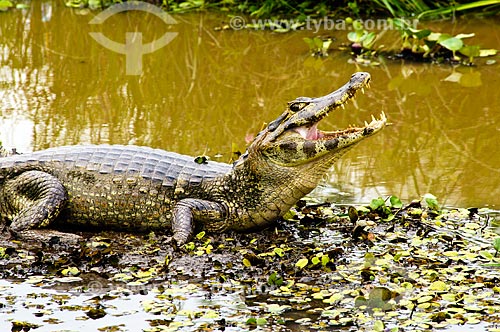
(355, 269)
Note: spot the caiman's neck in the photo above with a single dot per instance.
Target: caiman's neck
(291, 154)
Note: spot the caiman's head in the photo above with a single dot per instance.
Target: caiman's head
(294, 140)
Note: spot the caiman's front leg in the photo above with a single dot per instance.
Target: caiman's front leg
(188, 211)
(33, 199)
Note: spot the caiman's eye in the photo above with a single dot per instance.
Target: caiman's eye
(296, 106)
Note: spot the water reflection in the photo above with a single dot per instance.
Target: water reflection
(210, 91)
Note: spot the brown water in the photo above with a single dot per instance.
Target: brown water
(208, 92)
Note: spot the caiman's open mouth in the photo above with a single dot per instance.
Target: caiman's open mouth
(313, 133)
(310, 111)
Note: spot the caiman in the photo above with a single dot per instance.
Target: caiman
(140, 188)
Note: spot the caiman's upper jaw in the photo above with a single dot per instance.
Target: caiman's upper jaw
(307, 112)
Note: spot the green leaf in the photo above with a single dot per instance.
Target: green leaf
(275, 308)
(189, 246)
(278, 251)
(465, 35)
(470, 51)
(453, 44)
(378, 326)
(95, 4)
(368, 40)
(496, 244)
(442, 37)
(201, 160)
(301, 263)
(390, 217)
(353, 37)
(395, 202)
(251, 321)
(5, 4)
(363, 209)
(439, 286)
(315, 260)
(357, 25)
(318, 42)
(420, 34)
(435, 36)
(74, 4)
(261, 321)
(488, 52)
(70, 271)
(3, 253)
(275, 279)
(376, 203)
(325, 259)
(486, 255)
(431, 201)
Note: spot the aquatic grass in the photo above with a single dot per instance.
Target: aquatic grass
(404, 7)
(483, 5)
(356, 8)
(396, 8)
(435, 9)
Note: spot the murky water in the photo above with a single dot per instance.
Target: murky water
(208, 92)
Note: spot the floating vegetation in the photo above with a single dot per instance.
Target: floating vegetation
(318, 46)
(417, 266)
(422, 45)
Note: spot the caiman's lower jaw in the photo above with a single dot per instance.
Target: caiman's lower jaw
(312, 133)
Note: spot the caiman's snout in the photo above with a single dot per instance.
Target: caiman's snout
(339, 97)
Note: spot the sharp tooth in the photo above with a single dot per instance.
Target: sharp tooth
(373, 118)
(366, 124)
(343, 106)
(363, 90)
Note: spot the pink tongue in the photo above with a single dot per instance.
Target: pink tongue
(309, 133)
(312, 133)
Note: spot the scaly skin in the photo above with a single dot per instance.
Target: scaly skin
(139, 188)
